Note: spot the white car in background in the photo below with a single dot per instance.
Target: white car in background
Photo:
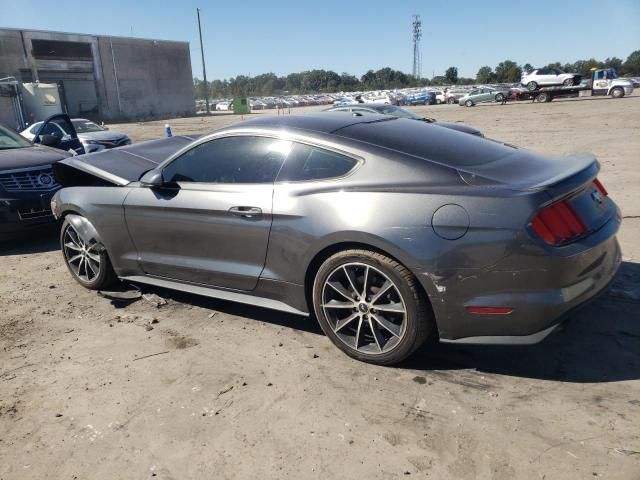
(545, 77)
(93, 137)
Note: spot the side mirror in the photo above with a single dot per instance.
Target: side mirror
(152, 179)
(49, 140)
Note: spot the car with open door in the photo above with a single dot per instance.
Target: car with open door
(26, 183)
(58, 131)
(93, 137)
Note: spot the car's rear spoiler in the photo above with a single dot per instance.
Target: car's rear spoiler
(119, 166)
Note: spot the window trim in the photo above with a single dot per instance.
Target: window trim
(286, 137)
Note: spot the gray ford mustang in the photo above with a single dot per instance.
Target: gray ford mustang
(388, 230)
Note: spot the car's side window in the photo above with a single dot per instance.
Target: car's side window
(240, 159)
(312, 163)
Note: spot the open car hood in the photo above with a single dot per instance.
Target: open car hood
(119, 166)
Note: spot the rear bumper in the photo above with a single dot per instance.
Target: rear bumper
(542, 290)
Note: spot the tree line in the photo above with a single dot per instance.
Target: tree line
(328, 81)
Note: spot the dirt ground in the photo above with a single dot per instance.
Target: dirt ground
(95, 388)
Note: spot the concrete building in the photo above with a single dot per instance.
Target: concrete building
(101, 77)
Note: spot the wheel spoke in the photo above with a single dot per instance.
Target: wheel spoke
(359, 329)
(80, 268)
(337, 304)
(387, 285)
(88, 264)
(387, 325)
(343, 323)
(351, 282)
(391, 307)
(73, 246)
(340, 289)
(366, 279)
(74, 258)
(375, 334)
(94, 257)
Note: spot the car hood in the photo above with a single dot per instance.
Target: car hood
(125, 164)
(105, 135)
(12, 159)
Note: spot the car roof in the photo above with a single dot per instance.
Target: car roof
(325, 122)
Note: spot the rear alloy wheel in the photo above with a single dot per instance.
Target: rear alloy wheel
(468, 103)
(88, 262)
(531, 86)
(451, 100)
(371, 307)
(617, 92)
(500, 97)
(568, 82)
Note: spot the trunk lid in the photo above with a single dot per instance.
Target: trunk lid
(567, 179)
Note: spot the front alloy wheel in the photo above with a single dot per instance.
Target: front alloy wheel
(370, 306)
(88, 262)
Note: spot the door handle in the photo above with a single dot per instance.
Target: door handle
(246, 212)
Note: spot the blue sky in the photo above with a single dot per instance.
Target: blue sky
(283, 36)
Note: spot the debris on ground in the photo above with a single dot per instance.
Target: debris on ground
(154, 299)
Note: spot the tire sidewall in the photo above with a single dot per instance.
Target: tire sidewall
(531, 86)
(406, 345)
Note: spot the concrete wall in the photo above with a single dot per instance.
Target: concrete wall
(135, 79)
(145, 78)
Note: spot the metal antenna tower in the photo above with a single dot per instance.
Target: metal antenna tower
(416, 25)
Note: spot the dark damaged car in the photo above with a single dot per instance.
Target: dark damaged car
(389, 231)
(26, 183)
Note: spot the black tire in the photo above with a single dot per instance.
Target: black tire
(531, 86)
(543, 97)
(468, 103)
(104, 277)
(451, 100)
(617, 92)
(500, 97)
(414, 325)
(568, 82)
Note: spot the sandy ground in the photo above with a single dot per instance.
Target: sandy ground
(93, 388)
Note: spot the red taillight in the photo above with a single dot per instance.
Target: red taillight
(558, 223)
(489, 310)
(600, 187)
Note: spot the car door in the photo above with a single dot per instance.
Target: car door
(57, 131)
(545, 77)
(209, 223)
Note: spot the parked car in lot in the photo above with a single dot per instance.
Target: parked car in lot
(26, 183)
(92, 136)
(544, 77)
(384, 109)
(421, 98)
(481, 95)
(345, 101)
(367, 221)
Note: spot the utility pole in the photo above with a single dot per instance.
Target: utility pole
(204, 69)
(416, 30)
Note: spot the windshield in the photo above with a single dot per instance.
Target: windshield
(398, 112)
(9, 140)
(86, 126)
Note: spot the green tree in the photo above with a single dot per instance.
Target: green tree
(632, 65)
(508, 72)
(527, 67)
(485, 75)
(451, 75)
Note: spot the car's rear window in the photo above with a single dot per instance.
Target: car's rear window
(441, 145)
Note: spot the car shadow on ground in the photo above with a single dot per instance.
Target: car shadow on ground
(37, 241)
